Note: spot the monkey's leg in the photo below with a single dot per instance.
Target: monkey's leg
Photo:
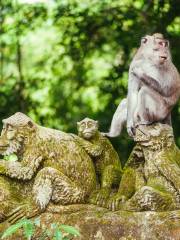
(51, 184)
(168, 120)
(119, 119)
(111, 175)
(151, 107)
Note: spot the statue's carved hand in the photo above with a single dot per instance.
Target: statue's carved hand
(100, 197)
(24, 210)
(73, 135)
(115, 202)
(76, 137)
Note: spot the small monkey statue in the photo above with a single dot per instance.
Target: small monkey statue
(153, 87)
(106, 160)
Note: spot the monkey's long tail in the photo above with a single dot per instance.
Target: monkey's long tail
(119, 119)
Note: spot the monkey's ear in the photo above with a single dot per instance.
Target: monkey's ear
(143, 40)
(78, 124)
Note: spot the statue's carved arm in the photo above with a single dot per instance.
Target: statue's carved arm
(20, 170)
(169, 169)
(127, 184)
(92, 149)
(111, 174)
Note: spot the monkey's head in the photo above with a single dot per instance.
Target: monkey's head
(87, 128)
(155, 134)
(15, 133)
(155, 49)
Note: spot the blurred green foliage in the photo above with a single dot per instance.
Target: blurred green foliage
(63, 60)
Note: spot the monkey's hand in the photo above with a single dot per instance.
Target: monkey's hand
(137, 71)
(115, 202)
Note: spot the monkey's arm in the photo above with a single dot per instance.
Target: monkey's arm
(172, 92)
(20, 170)
(92, 149)
(133, 88)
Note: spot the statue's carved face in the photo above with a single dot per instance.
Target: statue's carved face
(9, 142)
(16, 129)
(152, 134)
(87, 128)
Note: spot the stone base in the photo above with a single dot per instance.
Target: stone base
(100, 224)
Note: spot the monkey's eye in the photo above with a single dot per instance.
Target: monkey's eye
(143, 40)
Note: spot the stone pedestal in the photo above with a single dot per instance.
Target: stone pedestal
(96, 223)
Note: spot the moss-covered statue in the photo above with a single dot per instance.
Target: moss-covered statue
(106, 160)
(151, 179)
(50, 166)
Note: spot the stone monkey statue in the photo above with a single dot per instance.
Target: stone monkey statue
(150, 180)
(106, 160)
(50, 166)
(153, 87)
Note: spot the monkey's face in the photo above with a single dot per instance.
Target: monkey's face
(87, 128)
(155, 49)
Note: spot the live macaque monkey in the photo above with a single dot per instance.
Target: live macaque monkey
(153, 87)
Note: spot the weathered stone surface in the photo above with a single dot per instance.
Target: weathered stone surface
(100, 224)
(151, 176)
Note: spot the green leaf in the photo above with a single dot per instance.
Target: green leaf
(69, 229)
(29, 229)
(12, 157)
(58, 235)
(13, 228)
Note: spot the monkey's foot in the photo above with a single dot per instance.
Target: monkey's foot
(115, 202)
(131, 131)
(21, 212)
(99, 197)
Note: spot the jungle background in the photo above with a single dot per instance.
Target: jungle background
(63, 60)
